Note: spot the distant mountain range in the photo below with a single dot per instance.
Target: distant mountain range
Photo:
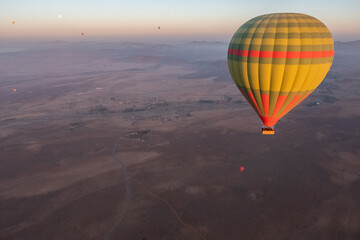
(355, 43)
(207, 42)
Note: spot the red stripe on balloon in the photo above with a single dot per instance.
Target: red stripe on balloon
(295, 99)
(280, 101)
(269, 121)
(251, 95)
(279, 54)
(265, 103)
(294, 103)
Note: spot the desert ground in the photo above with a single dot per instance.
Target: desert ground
(143, 141)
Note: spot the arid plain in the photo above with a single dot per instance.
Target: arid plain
(183, 131)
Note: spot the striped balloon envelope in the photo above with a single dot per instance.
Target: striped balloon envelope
(277, 60)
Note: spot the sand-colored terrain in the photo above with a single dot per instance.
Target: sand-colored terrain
(183, 131)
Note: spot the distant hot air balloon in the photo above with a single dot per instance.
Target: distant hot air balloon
(13, 22)
(159, 27)
(14, 90)
(241, 168)
(277, 60)
(82, 34)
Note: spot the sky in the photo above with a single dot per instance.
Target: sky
(139, 19)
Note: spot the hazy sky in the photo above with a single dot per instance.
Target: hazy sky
(198, 19)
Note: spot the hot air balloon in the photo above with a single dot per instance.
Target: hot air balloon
(277, 60)
(159, 27)
(82, 34)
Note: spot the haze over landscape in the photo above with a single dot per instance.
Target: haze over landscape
(140, 134)
(110, 20)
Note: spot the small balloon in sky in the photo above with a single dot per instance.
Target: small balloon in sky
(14, 90)
(13, 22)
(159, 27)
(59, 16)
(110, 60)
(241, 168)
(82, 34)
